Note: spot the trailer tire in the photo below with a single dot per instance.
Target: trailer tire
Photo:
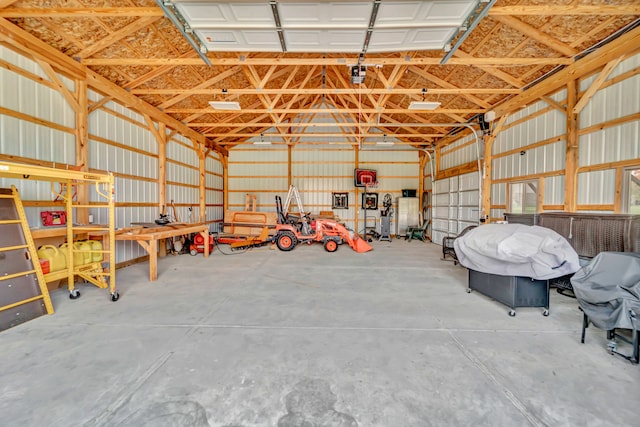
(330, 245)
(286, 240)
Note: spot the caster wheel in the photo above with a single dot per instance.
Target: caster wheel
(612, 347)
(193, 252)
(512, 313)
(468, 290)
(545, 313)
(115, 296)
(74, 294)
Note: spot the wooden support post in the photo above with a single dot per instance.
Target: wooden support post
(617, 201)
(571, 163)
(423, 162)
(289, 166)
(82, 147)
(161, 136)
(224, 159)
(488, 166)
(357, 204)
(202, 155)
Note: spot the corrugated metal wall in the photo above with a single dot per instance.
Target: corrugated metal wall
(25, 138)
(119, 142)
(260, 171)
(539, 122)
(318, 172)
(546, 124)
(615, 143)
(456, 199)
(214, 191)
(183, 179)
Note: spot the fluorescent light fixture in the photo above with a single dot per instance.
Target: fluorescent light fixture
(225, 105)
(262, 141)
(384, 141)
(423, 105)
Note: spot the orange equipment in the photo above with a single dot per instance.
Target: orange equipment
(330, 233)
(291, 230)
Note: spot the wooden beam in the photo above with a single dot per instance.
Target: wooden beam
(571, 162)
(183, 94)
(99, 104)
(554, 104)
(572, 10)
(112, 38)
(204, 89)
(31, 46)
(162, 167)
(536, 34)
(82, 146)
(597, 83)
(618, 47)
(337, 110)
(5, 3)
(445, 84)
(224, 159)
(319, 61)
(77, 12)
(488, 168)
(505, 77)
(64, 91)
(202, 170)
(156, 72)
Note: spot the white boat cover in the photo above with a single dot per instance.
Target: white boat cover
(608, 290)
(516, 250)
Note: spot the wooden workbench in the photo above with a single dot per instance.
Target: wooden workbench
(148, 239)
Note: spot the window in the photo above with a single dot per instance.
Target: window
(523, 197)
(631, 201)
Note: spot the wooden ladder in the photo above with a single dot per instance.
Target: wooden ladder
(23, 291)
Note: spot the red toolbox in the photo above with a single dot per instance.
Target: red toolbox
(53, 218)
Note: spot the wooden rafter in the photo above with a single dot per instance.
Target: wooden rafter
(573, 10)
(606, 71)
(117, 36)
(227, 62)
(76, 12)
(536, 34)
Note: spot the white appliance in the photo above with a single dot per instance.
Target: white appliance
(407, 214)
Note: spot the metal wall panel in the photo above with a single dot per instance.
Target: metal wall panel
(597, 187)
(547, 158)
(612, 144)
(261, 171)
(539, 128)
(554, 190)
(452, 156)
(27, 139)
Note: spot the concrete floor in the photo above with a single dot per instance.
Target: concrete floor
(309, 338)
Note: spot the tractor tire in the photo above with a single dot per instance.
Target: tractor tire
(286, 240)
(330, 245)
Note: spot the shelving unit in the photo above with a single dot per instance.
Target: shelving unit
(101, 274)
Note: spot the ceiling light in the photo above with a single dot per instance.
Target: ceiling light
(262, 141)
(423, 105)
(225, 105)
(384, 141)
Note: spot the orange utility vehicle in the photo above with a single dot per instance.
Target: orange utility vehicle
(292, 229)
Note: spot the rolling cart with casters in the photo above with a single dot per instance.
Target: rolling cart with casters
(513, 291)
